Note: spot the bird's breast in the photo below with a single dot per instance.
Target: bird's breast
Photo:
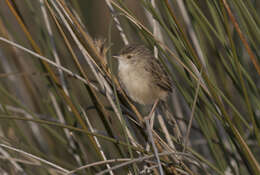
(138, 83)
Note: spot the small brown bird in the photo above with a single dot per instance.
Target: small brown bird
(142, 76)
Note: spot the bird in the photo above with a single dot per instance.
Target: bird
(142, 76)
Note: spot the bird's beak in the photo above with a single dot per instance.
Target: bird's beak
(116, 56)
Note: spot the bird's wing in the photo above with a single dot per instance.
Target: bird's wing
(159, 75)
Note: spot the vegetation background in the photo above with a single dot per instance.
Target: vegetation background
(62, 110)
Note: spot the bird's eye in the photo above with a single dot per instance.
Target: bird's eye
(129, 56)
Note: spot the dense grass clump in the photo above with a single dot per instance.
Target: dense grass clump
(63, 111)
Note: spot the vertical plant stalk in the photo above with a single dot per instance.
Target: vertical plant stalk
(118, 25)
(157, 32)
(244, 90)
(242, 37)
(150, 136)
(247, 101)
(191, 31)
(191, 116)
(96, 139)
(126, 42)
(63, 84)
(53, 46)
(72, 144)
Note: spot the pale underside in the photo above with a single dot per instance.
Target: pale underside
(140, 84)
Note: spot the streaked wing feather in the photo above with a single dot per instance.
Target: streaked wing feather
(160, 75)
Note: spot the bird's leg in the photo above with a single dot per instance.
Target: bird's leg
(152, 110)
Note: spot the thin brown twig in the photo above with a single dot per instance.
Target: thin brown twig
(192, 115)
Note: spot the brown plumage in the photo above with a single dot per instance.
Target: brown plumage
(141, 75)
